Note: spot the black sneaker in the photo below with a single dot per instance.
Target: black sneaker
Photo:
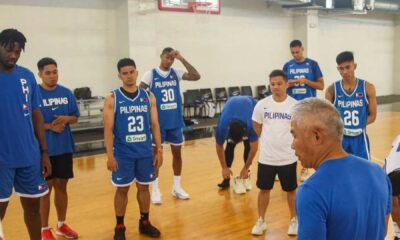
(146, 228)
(119, 232)
(224, 184)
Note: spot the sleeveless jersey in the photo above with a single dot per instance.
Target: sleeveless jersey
(169, 102)
(353, 108)
(307, 69)
(132, 134)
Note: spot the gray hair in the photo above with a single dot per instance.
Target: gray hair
(314, 113)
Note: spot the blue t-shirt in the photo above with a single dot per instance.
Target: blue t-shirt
(237, 108)
(353, 108)
(307, 69)
(19, 95)
(346, 198)
(59, 101)
(169, 103)
(132, 134)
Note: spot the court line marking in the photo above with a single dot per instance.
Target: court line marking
(375, 159)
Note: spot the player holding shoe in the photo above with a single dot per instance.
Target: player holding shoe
(234, 126)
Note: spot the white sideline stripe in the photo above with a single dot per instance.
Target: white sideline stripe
(375, 159)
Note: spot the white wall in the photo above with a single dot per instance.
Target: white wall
(239, 47)
(82, 41)
(396, 70)
(371, 38)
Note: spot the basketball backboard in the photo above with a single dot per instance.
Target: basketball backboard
(195, 6)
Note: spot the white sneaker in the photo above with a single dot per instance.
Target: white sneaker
(304, 174)
(178, 192)
(259, 227)
(293, 227)
(247, 183)
(239, 186)
(156, 196)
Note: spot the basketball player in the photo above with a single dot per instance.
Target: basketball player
(355, 99)
(235, 125)
(130, 124)
(305, 77)
(23, 157)
(392, 168)
(164, 83)
(347, 197)
(59, 110)
(271, 121)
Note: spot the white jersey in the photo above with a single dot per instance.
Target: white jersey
(276, 139)
(392, 162)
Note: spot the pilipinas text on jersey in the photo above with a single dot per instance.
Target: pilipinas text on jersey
(167, 92)
(353, 108)
(132, 134)
(308, 69)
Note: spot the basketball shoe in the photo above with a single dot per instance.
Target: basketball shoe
(156, 196)
(146, 228)
(293, 227)
(178, 192)
(224, 184)
(66, 232)
(119, 232)
(239, 186)
(47, 234)
(259, 227)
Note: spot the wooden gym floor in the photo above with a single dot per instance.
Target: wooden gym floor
(209, 214)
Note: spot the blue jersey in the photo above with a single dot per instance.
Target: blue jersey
(308, 69)
(353, 108)
(132, 134)
(168, 96)
(346, 198)
(59, 101)
(19, 96)
(237, 108)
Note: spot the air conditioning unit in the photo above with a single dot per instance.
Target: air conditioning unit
(356, 5)
(290, 2)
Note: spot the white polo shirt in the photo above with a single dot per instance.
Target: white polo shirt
(392, 162)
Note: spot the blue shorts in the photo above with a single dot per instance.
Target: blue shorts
(358, 146)
(27, 181)
(130, 170)
(172, 136)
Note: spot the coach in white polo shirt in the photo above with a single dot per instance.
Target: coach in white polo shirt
(271, 121)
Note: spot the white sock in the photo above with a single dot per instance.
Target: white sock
(60, 223)
(396, 229)
(45, 228)
(177, 181)
(155, 185)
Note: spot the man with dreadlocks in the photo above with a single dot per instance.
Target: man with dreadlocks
(24, 161)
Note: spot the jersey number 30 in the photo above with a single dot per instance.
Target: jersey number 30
(135, 124)
(168, 95)
(351, 118)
